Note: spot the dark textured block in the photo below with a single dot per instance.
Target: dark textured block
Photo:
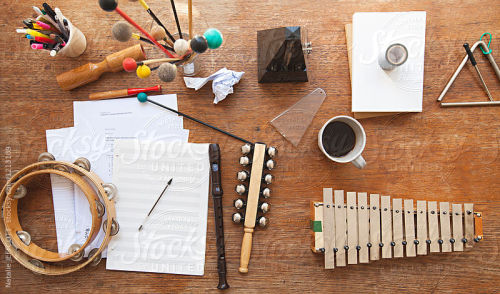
(280, 56)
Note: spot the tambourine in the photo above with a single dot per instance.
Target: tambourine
(18, 242)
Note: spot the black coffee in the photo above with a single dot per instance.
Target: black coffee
(338, 139)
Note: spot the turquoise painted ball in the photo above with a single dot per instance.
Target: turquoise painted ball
(214, 38)
(142, 97)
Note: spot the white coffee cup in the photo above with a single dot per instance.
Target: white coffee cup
(354, 155)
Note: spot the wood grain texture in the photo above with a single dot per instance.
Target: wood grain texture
(439, 155)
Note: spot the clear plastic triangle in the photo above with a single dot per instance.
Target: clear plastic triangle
(293, 122)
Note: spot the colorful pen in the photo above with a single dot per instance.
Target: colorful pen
(41, 39)
(31, 32)
(39, 46)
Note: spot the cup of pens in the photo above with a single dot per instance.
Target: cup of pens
(52, 31)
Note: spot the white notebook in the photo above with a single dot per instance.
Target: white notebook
(173, 238)
(376, 90)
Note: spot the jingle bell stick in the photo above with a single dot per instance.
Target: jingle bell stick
(123, 93)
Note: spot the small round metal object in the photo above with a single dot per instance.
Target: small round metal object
(385, 209)
(374, 207)
(240, 189)
(100, 208)
(358, 247)
(270, 164)
(239, 203)
(393, 243)
(114, 227)
(432, 212)
(452, 240)
(20, 192)
(404, 243)
(262, 221)
(72, 249)
(62, 168)
(444, 212)
(46, 156)
(37, 263)
(272, 151)
(397, 210)
(245, 149)
(242, 175)
(415, 242)
(469, 212)
(24, 236)
(394, 55)
(369, 245)
(346, 248)
(237, 218)
(265, 207)
(464, 240)
(335, 250)
(268, 178)
(83, 163)
(266, 192)
(244, 160)
(110, 190)
(380, 244)
(352, 207)
(428, 241)
(97, 259)
(362, 207)
(440, 241)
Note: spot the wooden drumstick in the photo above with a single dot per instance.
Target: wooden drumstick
(122, 93)
(92, 71)
(190, 18)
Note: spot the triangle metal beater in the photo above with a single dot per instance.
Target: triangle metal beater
(459, 69)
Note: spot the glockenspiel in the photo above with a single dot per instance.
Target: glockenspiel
(364, 227)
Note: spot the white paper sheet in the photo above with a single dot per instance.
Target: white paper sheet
(96, 112)
(376, 90)
(99, 125)
(174, 236)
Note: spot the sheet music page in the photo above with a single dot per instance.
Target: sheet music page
(173, 237)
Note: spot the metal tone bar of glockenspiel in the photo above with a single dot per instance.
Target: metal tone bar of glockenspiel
(385, 211)
(422, 227)
(374, 227)
(469, 224)
(458, 234)
(409, 228)
(433, 226)
(340, 228)
(397, 222)
(328, 228)
(444, 220)
(363, 227)
(352, 228)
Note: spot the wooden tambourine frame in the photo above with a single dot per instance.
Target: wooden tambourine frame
(30, 256)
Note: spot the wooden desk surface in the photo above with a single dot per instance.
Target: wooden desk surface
(439, 154)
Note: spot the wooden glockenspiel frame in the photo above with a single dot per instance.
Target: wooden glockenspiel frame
(358, 231)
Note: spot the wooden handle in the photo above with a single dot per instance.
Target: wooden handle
(246, 250)
(108, 94)
(92, 71)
